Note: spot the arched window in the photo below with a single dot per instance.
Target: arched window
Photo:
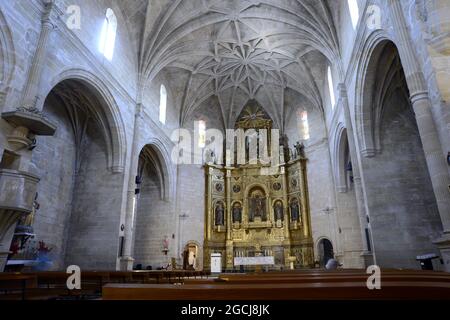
(162, 104)
(201, 134)
(354, 12)
(331, 87)
(108, 35)
(303, 125)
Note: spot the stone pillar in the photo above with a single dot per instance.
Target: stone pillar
(27, 119)
(437, 166)
(31, 90)
(127, 260)
(367, 255)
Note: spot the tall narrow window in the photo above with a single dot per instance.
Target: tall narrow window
(331, 87)
(108, 35)
(303, 125)
(354, 12)
(162, 104)
(201, 134)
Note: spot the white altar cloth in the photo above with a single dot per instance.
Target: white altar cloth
(252, 261)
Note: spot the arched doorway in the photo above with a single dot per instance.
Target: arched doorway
(77, 218)
(154, 236)
(326, 251)
(400, 199)
(191, 256)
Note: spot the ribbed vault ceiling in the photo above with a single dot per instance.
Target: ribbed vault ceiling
(224, 52)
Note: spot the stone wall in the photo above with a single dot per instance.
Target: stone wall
(403, 213)
(154, 221)
(54, 162)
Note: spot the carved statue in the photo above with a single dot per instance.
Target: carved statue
(284, 142)
(295, 210)
(219, 214)
(278, 210)
(237, 213)
(210, 156)
(166, 243)
(258, 207)
(299, 150)
(257, 202)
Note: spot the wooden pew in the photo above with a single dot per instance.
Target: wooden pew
(16, 283)
(53, 284)
(278, 291)
(396, 284)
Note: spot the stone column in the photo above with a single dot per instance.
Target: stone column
(31, 90)
(437, 166)
(27, 119)
(127, 260)
(356, 173)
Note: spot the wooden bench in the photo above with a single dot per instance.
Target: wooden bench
(396, 284)
(277, 291)
(17, 283)
(53, 284)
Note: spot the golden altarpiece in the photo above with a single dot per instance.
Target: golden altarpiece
(254, 209)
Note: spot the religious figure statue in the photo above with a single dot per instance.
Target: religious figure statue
(219, 212)
(257, 203)
(191, 260)
(237, 213)
(166, 243)
(284, 143)
(278, 210)
(258, 206)
(295, 210)
(210, 156)
(299, 150)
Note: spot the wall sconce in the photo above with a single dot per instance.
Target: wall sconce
(448, 158)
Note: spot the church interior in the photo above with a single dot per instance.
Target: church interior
(281, 147)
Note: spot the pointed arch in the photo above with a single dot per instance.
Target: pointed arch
(157, 154)
(363, 102)
(111, 123)
(340, 155)
(7, 57)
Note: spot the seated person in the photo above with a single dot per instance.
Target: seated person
(332, 264)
